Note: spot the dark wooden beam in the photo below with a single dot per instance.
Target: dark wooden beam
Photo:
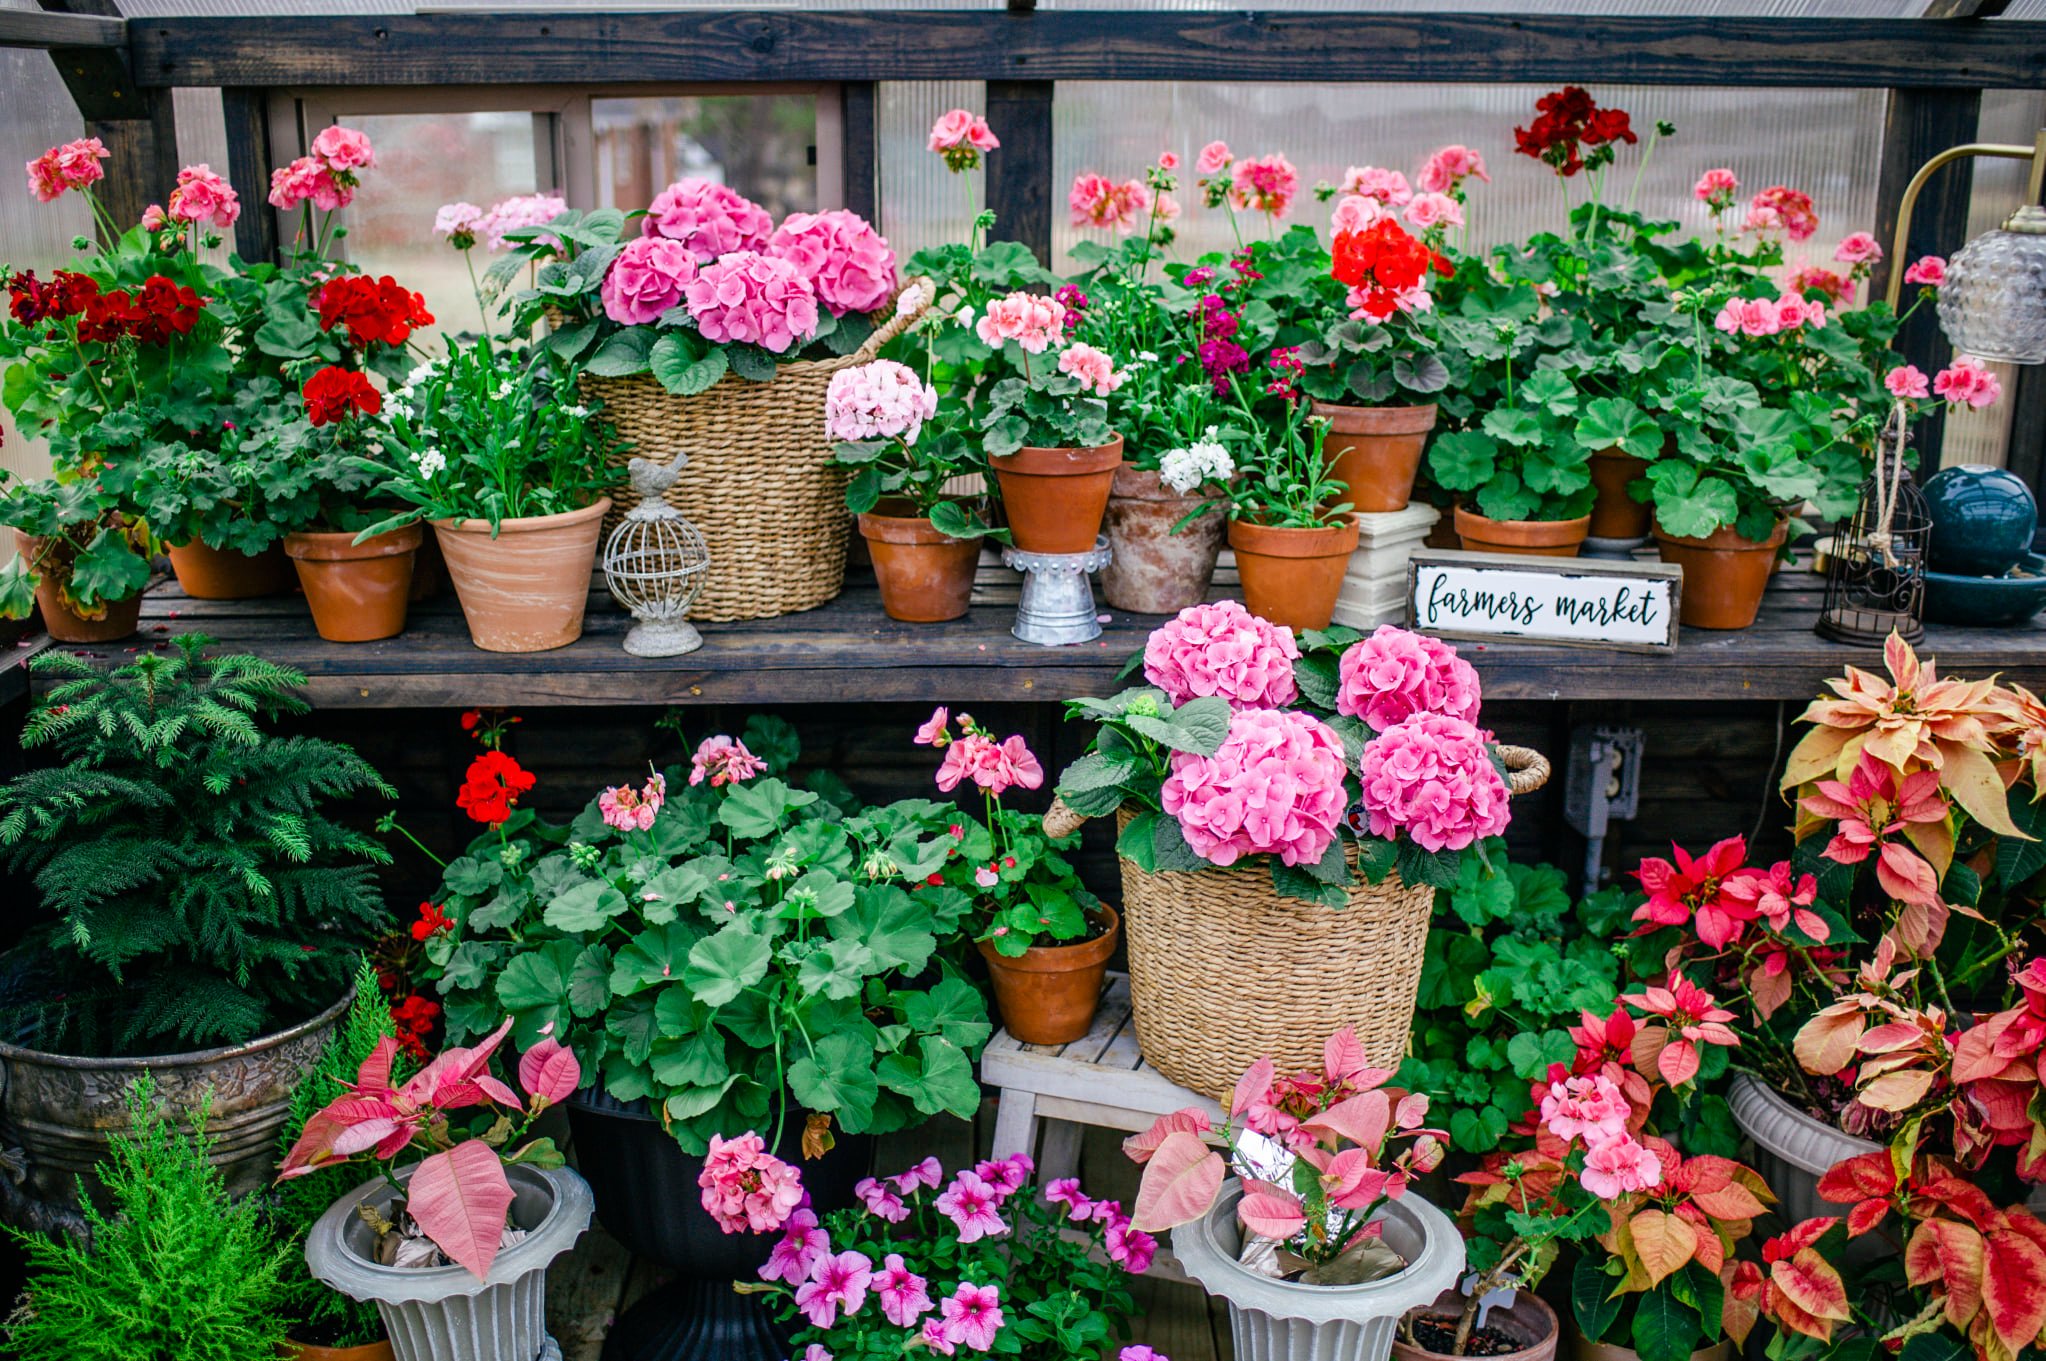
(39, 28)
(247, 116)
(860, 115)
(582, 47)
(1917, 125)
(136, 124)
(1019, 170)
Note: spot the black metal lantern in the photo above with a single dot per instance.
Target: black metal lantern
(1875, 581)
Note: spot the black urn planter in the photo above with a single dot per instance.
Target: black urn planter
(648, 1199)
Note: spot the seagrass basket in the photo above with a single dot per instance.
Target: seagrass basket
(760, 486)
(1223, 970)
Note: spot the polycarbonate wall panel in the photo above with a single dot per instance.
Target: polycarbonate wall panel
(923, 203)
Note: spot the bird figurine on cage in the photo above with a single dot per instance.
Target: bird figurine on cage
(654, 564)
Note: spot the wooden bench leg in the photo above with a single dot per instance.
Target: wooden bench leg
(1061, 1150)
(1016, 1124)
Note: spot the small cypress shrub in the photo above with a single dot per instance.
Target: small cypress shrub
(194, 891)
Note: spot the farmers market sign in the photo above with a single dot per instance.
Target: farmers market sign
(1626, 605)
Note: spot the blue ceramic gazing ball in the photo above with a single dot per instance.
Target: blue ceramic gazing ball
(1983, 520)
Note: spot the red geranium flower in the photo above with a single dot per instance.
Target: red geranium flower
(432, 921)
(1381, 262)
(1566, 119)
(333, 392)
(375, 311)
(492, 786)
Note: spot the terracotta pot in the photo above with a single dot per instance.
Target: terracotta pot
(1536, 538)
(1583, 1348)
(1155, 571)
(65, 624)
(525, 589)
(209, 573)
(1615, 514)
(1055, 498)
(380, 1350)
(1292, 576)
(357, 592)
(1375, 451)
(925, 575)
(429, 569)
(1048, 994)
(1528, 1321)
(1724, 575)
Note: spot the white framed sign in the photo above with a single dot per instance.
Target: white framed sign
(1578, 602)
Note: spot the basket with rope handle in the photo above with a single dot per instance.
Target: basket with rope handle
(760, 487)
(1224, 970)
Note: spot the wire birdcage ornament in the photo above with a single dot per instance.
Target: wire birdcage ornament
(655, 563)
(1875, 584)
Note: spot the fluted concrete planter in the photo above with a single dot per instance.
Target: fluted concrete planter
(445, 1313)
(1792, 1149)
(1274, 1320)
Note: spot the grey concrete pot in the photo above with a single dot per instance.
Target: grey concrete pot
(1792, 1149)
(1275, 1320)
(446, 1314)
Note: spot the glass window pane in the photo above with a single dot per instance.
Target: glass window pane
(764, 146)
(922, 203)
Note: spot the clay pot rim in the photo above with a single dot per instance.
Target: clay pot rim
(1351, 418)
(291, 1349)
(1561, 527)
(1726, 539)
(1541, 1309)
(196, 1058)
(1065, 957)
(339, 545)
(1294, 541)
(1083, 460)
(1153, 489)
(1615, 454)
(904, 529)
(523, 524)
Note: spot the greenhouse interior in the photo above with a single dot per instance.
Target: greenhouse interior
(739, 681)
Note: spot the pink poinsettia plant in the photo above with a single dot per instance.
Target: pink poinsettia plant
(453, 1204)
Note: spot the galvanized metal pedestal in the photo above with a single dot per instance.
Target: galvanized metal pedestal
(1058, 601)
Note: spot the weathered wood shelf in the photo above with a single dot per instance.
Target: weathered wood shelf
(849, 652)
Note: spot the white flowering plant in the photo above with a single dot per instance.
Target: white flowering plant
(490, 431)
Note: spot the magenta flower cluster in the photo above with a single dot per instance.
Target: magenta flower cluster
(754, 299)
(1223, 649)
(710, 219)
(1432, 778)
(646, 279)
(1275, 786)
(847, 262)
(1394, 674)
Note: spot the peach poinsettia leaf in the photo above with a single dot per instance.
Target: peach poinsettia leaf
(1740, 1301)
(1731, 1201)
(1896, 1091)
(1904, 875)
(1817, 754)
(1180, 1182)
(1253, 1087)
(1361, 1119)
(1271, 1213)
(1664, 1242)
(2014, 1287)
(1825, 1044)
(1953, 1254)
(1139, 1147)
(1342, 1055)
(550, 1072)
(459, 1199)
(1971, 777)
(1934, 841)
(375, 1072)
(1813, 1284)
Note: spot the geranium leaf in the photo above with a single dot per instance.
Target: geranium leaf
(726, 964)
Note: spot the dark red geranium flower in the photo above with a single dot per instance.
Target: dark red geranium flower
(492, 786)
(1566, 121)
(334, 393)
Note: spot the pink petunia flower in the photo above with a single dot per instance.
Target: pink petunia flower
(1394, 674)
(1006, 1175)
(797, 1250)
(711, 219)
(746, 1189)
(1130, 1248)
(881, 1200)
(905, 1296)
(932, 1336)
(973, 1206)
(1223, 649)
(973, 1315)
(927, 1173)
(1066, 1191)
(836, 1281)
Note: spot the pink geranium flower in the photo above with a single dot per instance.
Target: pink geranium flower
(973, 1206)
(516, 213)
(629, 809)
(1620, 1167)
(797, 1250)
(1748, 317)
(1095, 370)
(1929, 270)
(1223, 649)
(1858, 248)
(849, 264)
(1275, 786)
(344, 148)
(711, 219)
(1374, 182)
(1448, 168)
(1588, 1108)
(203, 196)
(746, 1189)
(1907, 380)
(1265, 184)
(1716, 189)
(74, 165)
(836, 1282)
(1432, 778)
(646, 279)
(880, 400)
(1168, 160)
(1814, 277)
(973, 1315)
(458, 223)
(1213, 159)
(723, 760)
(1427, 211)
(309, 180)
(1354, 212)
(905, 1296)
(1394, 674)
(753, 299)
(935, 732)
(994, 766)
(1034, 322)
(1780, 208)
(1967, 382)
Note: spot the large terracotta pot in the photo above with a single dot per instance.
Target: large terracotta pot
(1155, 571)
(1375, 451)
(306, 1351)
(65, 624)
(524, 589)
(1535, 538)
(208, 573)
(1049, 993)
(1292, 576)
(1055, 498)
(925, 575)
(1528, 1321)
(1724, 574)
(1615, 514)
(357, 591)
(1583, 1348)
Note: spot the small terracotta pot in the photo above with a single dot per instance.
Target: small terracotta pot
(65, 624)
(524, 590)
(1615, 514)
(357, 591)
(1724, 575)
(1583, 1348)
(1528, 1321)
(208, 573)
(925, 575)
(1055, 498)
(1292, 576)
(1155, 571)
(379, 1350)
(1537, 538)
(1375, 451)
(1049, 993)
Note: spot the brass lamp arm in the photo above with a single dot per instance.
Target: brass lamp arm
(2036, 154)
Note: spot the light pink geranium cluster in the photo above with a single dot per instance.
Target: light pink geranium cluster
(74, 165)
(1394, 674)
(1432, 778)
(975, 755)
(1354, 212)
(1755, 317)
(1274, 786)
(746, 1189)
(326, 176)
(1033, 321)
(634, 810)
(1858, 249)
(1967, 382)
(881, 400)
(723, 760)
(754, 299)
(1448, 168)
(1095, 370)
(1593, 1110)
(1097, 201)
(1389, 187)
(1223, 649)
(1716, 189)
(1426, 212)
(646, 278)
(459, 223)
(203, 196)
(1806, 278)
(1265, 184)
(962, 137)
(711, 219)
(518, 213)
(1781, 208)
(849, 264)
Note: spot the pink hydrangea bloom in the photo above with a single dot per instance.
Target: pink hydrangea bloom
(905, 1296)
(836, 1281)
(518, 212)
(1213, 159)
(797, 1250)
(1354, 212)
(995, 766)
(927, 1173)
(458, 223)
(1432, 777)
(630, 809)
(723, 760)
(754, 299)
(74, 165)
(308, 180)
(1748, 317)
(848, 263)
(1266, 184)
(646, 278)
(1095, 370)
(203, 196)
(1907, 380)
(1590, 1108)
(880, 1199)
(973, 1315)
(1434, 210)
(344, 148)
(746, 1189)
(1275, 786)
(1394, 674)
(1031, 320)
(1223, 649)
(1966, 382)
(1858, 248)
(711, 219)
(973, 1206)
(881, 400)
(1716, 187)
(1929, 270)
(1449, 167)
(1620, 1167)
(1376, 182)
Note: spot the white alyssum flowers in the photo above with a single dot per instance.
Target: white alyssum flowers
(1204, 461)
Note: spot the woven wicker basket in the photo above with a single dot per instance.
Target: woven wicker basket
(760, 485)
(1223, 970)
